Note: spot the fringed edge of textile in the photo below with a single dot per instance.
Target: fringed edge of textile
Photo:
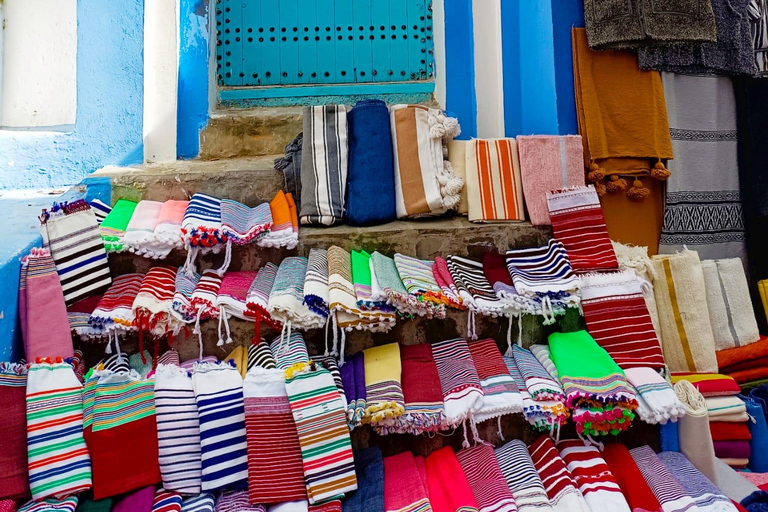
(63, 209)
(317, 305)
(246, 238)
(379, 411)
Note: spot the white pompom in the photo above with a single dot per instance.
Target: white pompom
(454, 185)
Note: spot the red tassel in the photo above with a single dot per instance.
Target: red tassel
(257, 329)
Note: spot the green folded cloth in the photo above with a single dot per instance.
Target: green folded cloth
(88, 504)
(112, 228)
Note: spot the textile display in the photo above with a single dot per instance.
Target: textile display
(59, 463)
(694, 434)
(387, 286)
(539, 382)
(178, 430)
(289, 350)
(153, 302)
(731, 53)
(219, 397)
(726, 408)
(419, 279)
(578, 222)
(543, 415)
(636, 258)
(486, 479)
(548, 163)
(592, 476)
(201, 225)
(404, 491)
(140, 233)
(703, 206)
(115, 309)
(138, 501)
(494, 185)
(14, 473)
(618, 319)
(71, 233)
(500, 393)
(656, 400)
(112, 228)
(706, 494)
(257, 299)
(202, 503)
(362, 284)
(282, 232)
(383, 391)
(730, 307)
(594, 384)
(457, 156)
(241, 224)
(462, 391)
(370, 181)
(424, 182)
(316, 282)
(447, 486)
(422, 394)
(732, 450)
(41, 296)
(50, 505)
(168, 229)
(353, 381)
(629, 477)
(497, 275)
(561, 488)
(319, 414)
(203, 298)
(686, 333)
(369, 496)
(521, 476)
(290, 166)
(727, 431)
(166, 501)
(324, 157)
(709, 384)
(286, 300)
(662, 482)
(446, 284)
(86, 504)
(474, 289)
(330, 364)
(733, 485)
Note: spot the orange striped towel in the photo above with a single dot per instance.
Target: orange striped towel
(494, 187)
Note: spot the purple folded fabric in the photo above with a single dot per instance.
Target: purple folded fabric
(353, 381)
(732, 449)
(139, 501)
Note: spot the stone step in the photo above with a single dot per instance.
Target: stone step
(243, 133)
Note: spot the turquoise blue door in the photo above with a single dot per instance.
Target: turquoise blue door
(323, 42)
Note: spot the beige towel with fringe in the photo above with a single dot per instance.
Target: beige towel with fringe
(457, 155)
(635, 257)
(693, 430)
(686, 334)
(730, 307)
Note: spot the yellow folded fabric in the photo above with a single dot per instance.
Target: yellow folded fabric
(383, 388)
(240, 357)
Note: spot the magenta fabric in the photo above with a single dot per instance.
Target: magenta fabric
(732, 449)
(139, 501)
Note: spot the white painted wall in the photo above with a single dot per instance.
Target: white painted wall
(161, 76)
(438, 37)
(489, 82)
(39, 63)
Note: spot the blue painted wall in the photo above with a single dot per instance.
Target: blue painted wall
(108, 125)
(194, 39)
(460, 96)
(568, 14)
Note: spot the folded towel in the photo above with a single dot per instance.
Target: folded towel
(500, 393)
(726, 408)
(257, 299)
(475, 290)
(561, 488)
(730, 306)
(707, 496)
(316, 282)
(419, 279)
(286, 300)
(446, 284)
(494, 186)
(383, 389)
(630, 478)
(447, 486)
(353, 381)
(404, 489)
(462, 390)
(241, 224)
(14, 478)
(201, 228)
(656, 400)
(710, 384)
(152, 305)
(544, 272)
(486, 479)
(592, 476)
(666, 488)
(282, 233)
(386, 284)
(231, 300)
(521, 476)
(289, 350)
(181, 308)
(728, 431)
(140, 233)
(168, 229)
(369, 496)
(112, 228)
(732, 449)
(542, 415)
(541, 352)
(457, 156)
(538, 381)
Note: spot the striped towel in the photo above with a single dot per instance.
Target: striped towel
(232, 295)
(353, 381)
(166, 501)
(140, 234)
(540, 384)
(123, 408)
(236, 501)
(114, 311)
(168, 230)
(462, 391)
(592, 476)
(617, 317)
(282, 232)
(203, 298)
(326, 450)
(446, 284)
(324, 157)
(500, 393)
(286, 300)
(219, 396)
(578, 222)
(257, 298)
(657, 402)
(561, 489)
(521, 476)
(404, 490)
(181, 308)
(419, 280)
(241, 224)
(14, 480)
(475, 290)
(541, 352)
(383, 388)
(289, 350)
(112, 228)
(386, 285)
(178, 430)
(706, 494)
(486, 479)
(330, 364)
(275, 472)
(100, 209)
(202, 503)
(80, 326)
(260, 356)
(201, 228)
(152, 305)
(59, 463)
(71, 233)
(50, 505)
(494, 186)
(316, 282)
(667, 489)
(541, 415)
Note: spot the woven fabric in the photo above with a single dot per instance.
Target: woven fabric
(706, 494)
(178, 430)
(168, 229)
(548, 163)
(167, 501)
(419, 280)
(424, 183)
(664, 485)
(260, 356)
(636, 258)
(41, 296)
(114, 310)
(726, 408)
(59, 463)
(543, 271)
(219, 397)
(494, 186)
(656, 400)
(203, 298)
(386, 285)
(201, 225)
(181, 307)
(578, 222)
(521, 476)
(233, 293)
(629, 478)
(112, 228)
(236, 501)
(362, 284)
(543, 415)
(486, 479)
(709, 384)
(693, 429)
(404, 491)
(275, 473)
(730, 306)
(241, 224)
(728, 431)
(500, 393)
(316, 283)
(100, 209)
(51, 505)
(138, 501)
(14, 474)
(563, 494)
(289, 350)
(369, 496)
(353, 381)
(538, 381)
(592, 476)
(686, 332)
(317, 408)
(384, 392)
(447, 486)
(330, 364)
(457, 156)
(202, 503)
(71, 233)
(290, 166)
(286, 300)
(445, 282)
(152, 304)
(282, 233)
(140, 233)
(474, 289)
(541, 352)
(618, 319)
(462, 391)
(257, 298)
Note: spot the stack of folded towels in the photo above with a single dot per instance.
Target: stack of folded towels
(728, 418)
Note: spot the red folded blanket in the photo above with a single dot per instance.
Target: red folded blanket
(710, 384)
(733, 356)
(750, 374)
(728, 431)
(629, 478)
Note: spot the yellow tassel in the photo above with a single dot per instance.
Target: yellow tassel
(600, 189)
(660, 172)
(638, 191)
(616, 184)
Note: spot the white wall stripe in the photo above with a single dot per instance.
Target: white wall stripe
(438, 36)
(489, 80)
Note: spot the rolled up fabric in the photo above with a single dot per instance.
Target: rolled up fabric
(48, 505)
(419, 279)
(168, 229)
(521, 476)
(500, 393)
(369, 496)
(592, 476)
(457, 156)
(282, 233)
(542, 415)
(561, 488)
(289, 350)
(494, 186)
(286, 300)
(630, 479)
(694, 436)
(383, 390)
(14, 473)
(151, 307)
(707, 496)
(316, 282)
(447, 486)
(730, 306)
(540, 384)
(241, 224)
(370, 181)
(403, 488)
(202, 227)
(548, 163)
(657, 401)
(664, 485)
(686, 332)
(324, 160)
(486, 479)
(112, 228)
(462, 391)
(140, 232)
